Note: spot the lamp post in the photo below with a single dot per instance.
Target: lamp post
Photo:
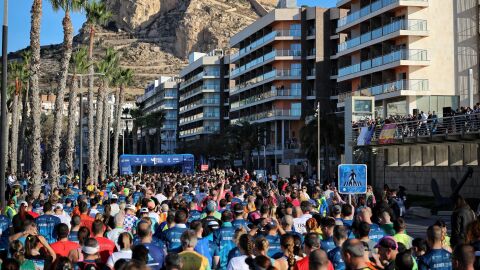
(3, 96)
(318, 144)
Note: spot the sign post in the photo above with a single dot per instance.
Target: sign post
(352, 179)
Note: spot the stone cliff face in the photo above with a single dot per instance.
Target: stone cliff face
(155, 37)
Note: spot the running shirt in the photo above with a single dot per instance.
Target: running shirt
(156, 256)
(193, 261)
(327, 244)
(171, 237)
(194, 215)
(46, 227)
(335, 256)
(5, 225)
(223, 238)
(274, 248)
(436, 259)
(241, 223)
(203, 248)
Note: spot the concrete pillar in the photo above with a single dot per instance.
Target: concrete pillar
(455, 154)
(470, 154)
(392, 156)
(411, 104)
(384, 111)
(404, 156)
(415, 156)
(428, 155)
(441, 155)
(275, 148)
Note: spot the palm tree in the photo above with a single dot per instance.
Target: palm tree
(123, 78)
(35, 89)
(79, 65)
(105, 137)
(107, 67)
(17, 73)
(66, 5)
(97, 14)
(246, 137)
(26, 56)
(153, 120)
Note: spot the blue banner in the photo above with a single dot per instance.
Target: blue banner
(128, 161)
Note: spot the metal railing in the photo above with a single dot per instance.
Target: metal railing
(459, 125)
(412, 85)
(198, 130)
(369, 9)
(269, 114)
(271, 74)
(197, 90)
(199, 76)
(264, 58)
(412, 55)
(272, 93)
(199, 103)
(412, 25)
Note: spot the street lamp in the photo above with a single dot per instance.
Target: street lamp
(318, 143)
(3, 96)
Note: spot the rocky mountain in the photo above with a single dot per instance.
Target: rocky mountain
(155, 37)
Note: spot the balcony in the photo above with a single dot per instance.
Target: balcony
(200, 103)
(264, 40)
(357, 16)
(410, 25)
(262, 59)
(266, 97)
(272, 114)
(198, 117)
(200, 89)
(397, 86)
(282, 73)
(370, 64)
(199, 76)
(199, 130)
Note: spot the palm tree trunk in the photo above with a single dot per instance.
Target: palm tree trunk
(23, 127)
(14, 135)
(57, 131)
(116, 130)
(91, 131)
(34, 82)
(72, 127)
(105, 138)
(98, 130)
(134, 138)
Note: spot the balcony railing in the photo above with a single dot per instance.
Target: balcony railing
(369, 9)
(269, 114)
(271, 74)
(412, 85)
(265, 58)
(412, 55)
(201, 102)
(263, 40)
(197, 117)
(412, 25)
(199, 89)
(272, 93)
(199, 76)
(198, 130)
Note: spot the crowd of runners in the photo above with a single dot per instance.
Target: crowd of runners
(223, 220)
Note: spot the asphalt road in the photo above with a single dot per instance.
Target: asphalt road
(417, 226)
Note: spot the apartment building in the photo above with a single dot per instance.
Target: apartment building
(408, 54)
(278, 73)
(161, 95)
(202, 99)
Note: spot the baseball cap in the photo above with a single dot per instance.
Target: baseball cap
(211, 206)
(143, 210)
(59, 206)
(113, 196)
(131, 207)
(23, 203)
(337, 209)
(387, 242)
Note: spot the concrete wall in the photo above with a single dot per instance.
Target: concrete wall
(417, 178)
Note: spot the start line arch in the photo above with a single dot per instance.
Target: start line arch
(128, 161)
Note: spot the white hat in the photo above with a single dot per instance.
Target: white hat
(24, 203)
(59, 206)
(113, 196)
(131, 207)
(143, 210)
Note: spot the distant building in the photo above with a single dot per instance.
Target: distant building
(201, 101)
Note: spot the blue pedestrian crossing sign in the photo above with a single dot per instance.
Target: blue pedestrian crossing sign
(352, 178)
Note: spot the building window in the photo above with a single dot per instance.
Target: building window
(296, 69)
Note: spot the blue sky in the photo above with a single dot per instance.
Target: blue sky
(51, 33)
